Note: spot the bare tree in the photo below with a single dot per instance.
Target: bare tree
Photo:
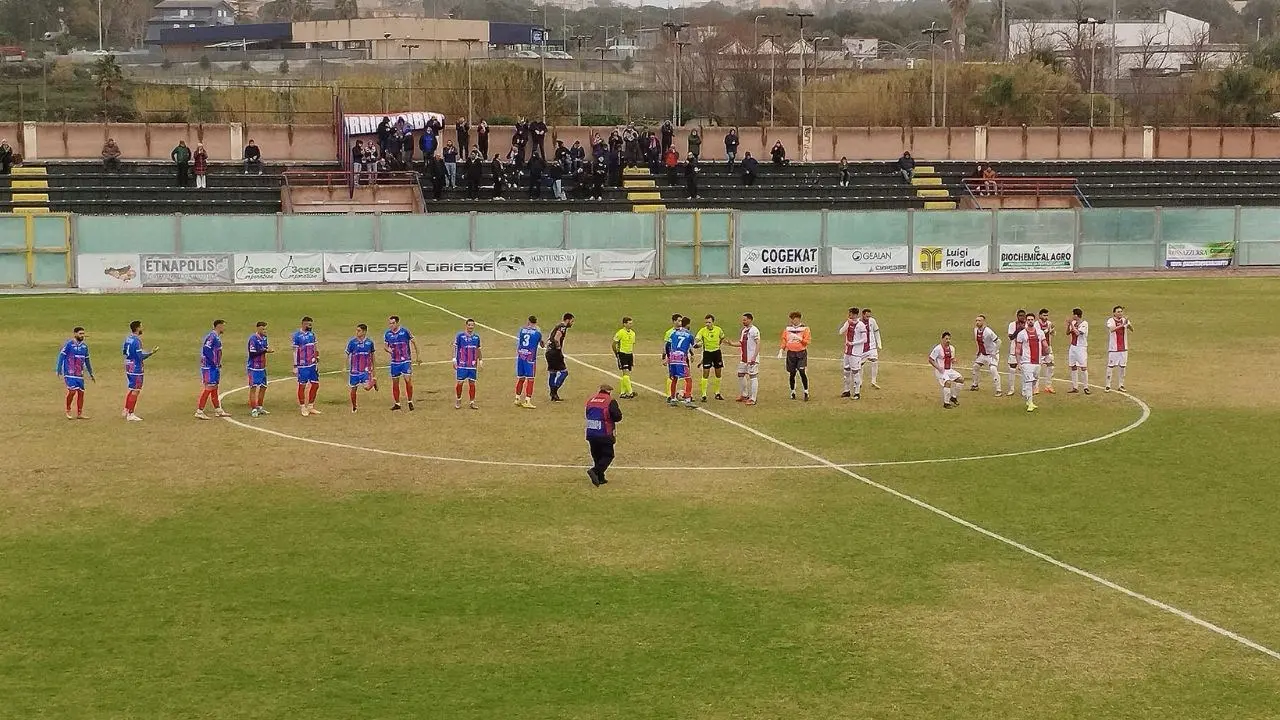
(959, 13)
(1199, 54)
(1150, 57)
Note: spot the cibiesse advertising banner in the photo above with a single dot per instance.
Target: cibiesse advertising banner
(614, 265)
(456, 266)
(211, 269)
(366, 267)
(1199, 255)
(535, 264)
(1037, 258)
(278, 268)
(951, 258)
(108, 272)
(875, 260)
(774, 261)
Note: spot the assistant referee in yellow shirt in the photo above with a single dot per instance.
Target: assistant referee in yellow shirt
(624, 347)
(709, 337)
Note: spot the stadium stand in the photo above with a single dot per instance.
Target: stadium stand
(148, 188)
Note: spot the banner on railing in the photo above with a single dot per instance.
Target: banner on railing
(1037, 258)
(535, 264)
(1199, 255)
(950, 259)
(871, 260)
(455, 266)
(366, 267)
(775, 261)
(278, 268)
(179, 270)
(108, 272)
(614, 265)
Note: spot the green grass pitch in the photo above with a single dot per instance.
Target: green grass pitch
(284, 567)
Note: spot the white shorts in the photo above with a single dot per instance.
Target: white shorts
(853, 362)
(871, 356)
(1030, 372)
(1047, 359)
(1013, 361)
(947, 376)
(1077, 356)
(1120, 359)
(749, 369)
(985, 360)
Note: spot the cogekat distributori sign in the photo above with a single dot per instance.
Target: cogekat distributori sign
(777, 261)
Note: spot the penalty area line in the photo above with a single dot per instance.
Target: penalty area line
(1098, 579)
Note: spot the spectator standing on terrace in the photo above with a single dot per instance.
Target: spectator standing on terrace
(631, 139)
(906, 166)
(450, 156)
(671, 161)
(668, 135)
(779, 154)
(200, 163)
(538, 129)
(691, 171)
(520, 139)
(436, 168)
(482, 138)
(731, 146)
(844, 172)
(577, 155)
(384, 134)
(562, 154)
(252, 157)
(473, 170)
(462, 131)
(614, 161)
(357, 159)
(537, 166)
(695, 143)
(599, 176)
(6, 157)
(434, 127)
(653, 153)
(556, 172)
(749, 168)
(181, 157)
(427, 143)
(499, 177)
(110, 155)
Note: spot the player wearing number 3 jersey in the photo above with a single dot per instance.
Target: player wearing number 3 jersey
(528, 341)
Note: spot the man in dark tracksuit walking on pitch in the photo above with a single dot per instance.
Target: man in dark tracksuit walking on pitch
(603, 414)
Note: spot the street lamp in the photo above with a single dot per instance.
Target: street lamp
(602, 51)
(816, 41)
(579, 39)
(948, 48)
(773, 56)
(755, 34)
(801, 16)
(680, 45)
(542, 60)
(675, 29)
(933, 31)
(1093, 24)
(410, 47)
(470, 108)
(99, 25)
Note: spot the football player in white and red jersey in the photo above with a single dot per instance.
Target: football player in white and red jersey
(748, 360)
(856, 337)
(1015, 327)
(988, 344)
(1028, 347)
(1118, 331)
(1078, 353)
(871, 349)
(1046, 362)
(943, 358)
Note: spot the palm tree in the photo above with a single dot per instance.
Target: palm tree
(959, 10)
(346, 9)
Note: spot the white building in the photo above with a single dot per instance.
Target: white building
(1172, 43)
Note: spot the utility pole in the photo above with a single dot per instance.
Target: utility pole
(579, 39)
(1115, 63)
(680, 46)
(800, 15)
(1093, 24)
(773, 56)
(933, 31)
(470, 108)
(602, 51)
(675, 29)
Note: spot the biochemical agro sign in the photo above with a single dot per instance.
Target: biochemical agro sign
(366, 267)
(1199, 255)
(951, 259)
(765, 261)
(535, 264)
(1037, 258)
(159, 270)
(613, 265)
(278, 268)
(108, 272)
(893, 259)
(458, 266)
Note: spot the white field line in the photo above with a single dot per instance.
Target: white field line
(926, 506)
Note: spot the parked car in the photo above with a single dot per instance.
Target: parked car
(525, 54)
(558, 55)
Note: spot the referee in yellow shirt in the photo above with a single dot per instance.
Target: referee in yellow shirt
(709, 337)
(624, 347)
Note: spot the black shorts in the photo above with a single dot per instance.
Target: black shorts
(555, 361)
(797, 360)
(712, 359)
(626, 361)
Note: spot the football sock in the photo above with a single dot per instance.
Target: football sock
(313, 388)
(457, 390)
(79, 401)
(395, 391)
(702, 387)
(976, 368)
(848, 380)
(857, 382)
(262, 395)
(71, 395)
(204, 397)
(742, 386)
(1048, 376)
(353, 398)
(755, 387)
(471, 389)
(213, 398)
(946, 395)
(408, 389)
(519, 387)
(1120, 378)
(804, 380)
(688, 387)
(995, 377)
(302, 394)
(1013, 377)
(671, 387)
(716, 385)
(1084, 377)
(1108, 376)
(791, 379)
(130, 402)
(1075, 374)
(626, 383)
(875, 370)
